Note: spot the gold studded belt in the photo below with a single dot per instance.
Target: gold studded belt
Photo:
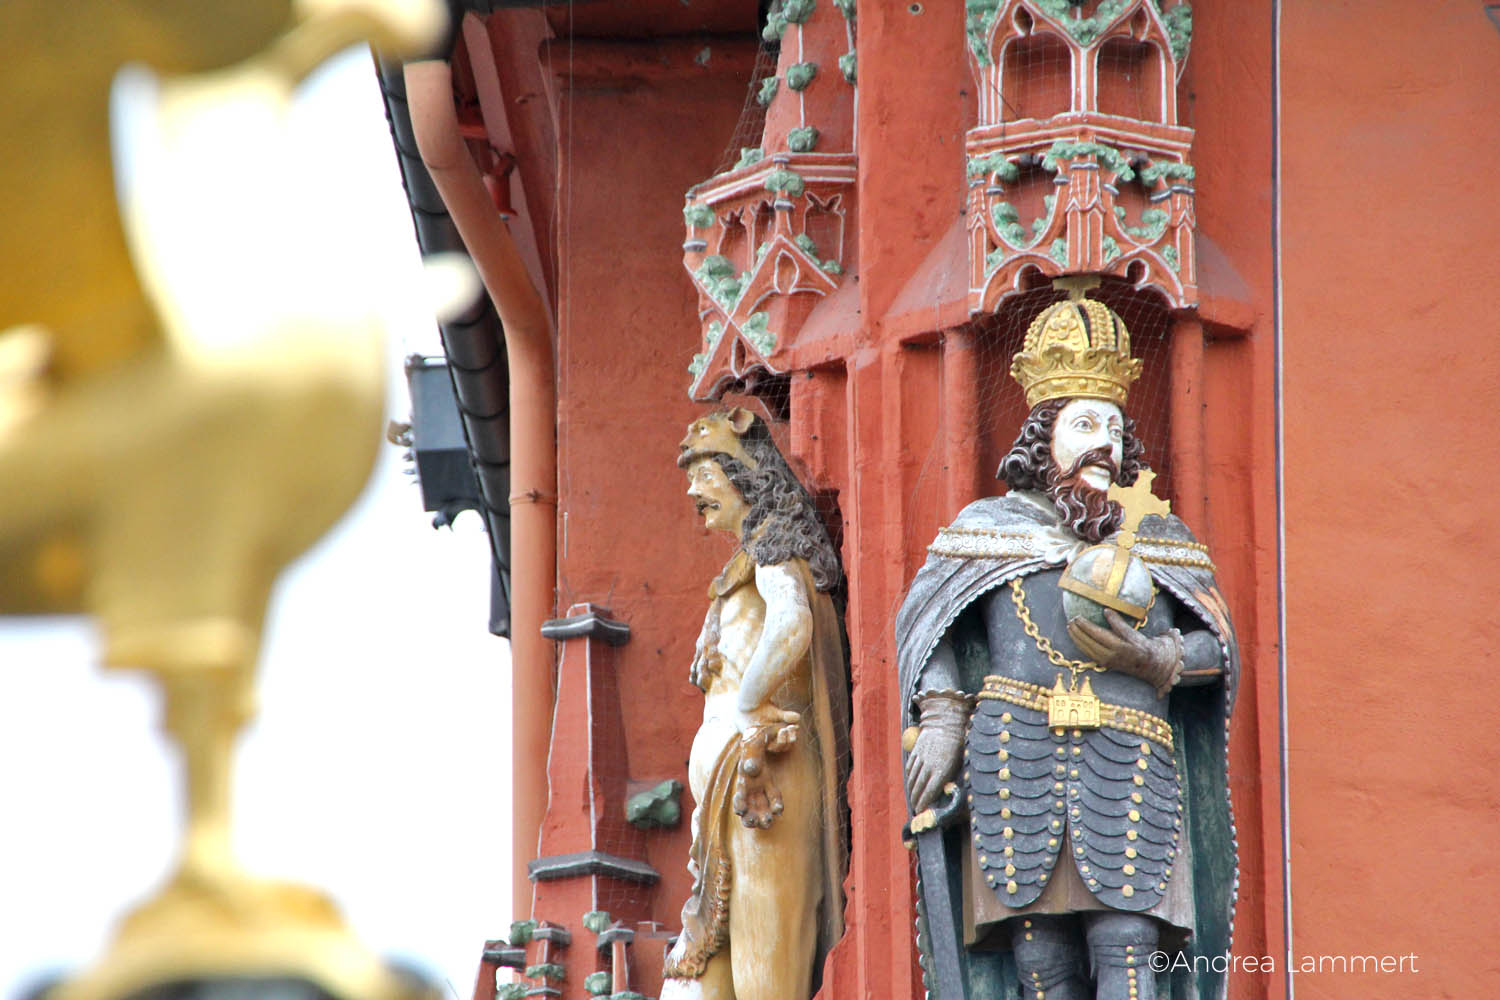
(1034, 696)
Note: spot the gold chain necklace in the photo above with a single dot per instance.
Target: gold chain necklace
(1018, 596)
(1076, 667)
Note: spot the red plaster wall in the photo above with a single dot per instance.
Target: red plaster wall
(909, 124)
(1227, 96)
(1390, 139)
(629, 537)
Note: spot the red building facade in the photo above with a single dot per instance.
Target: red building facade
(1287, 231)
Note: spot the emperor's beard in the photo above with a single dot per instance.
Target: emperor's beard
(1088, 512)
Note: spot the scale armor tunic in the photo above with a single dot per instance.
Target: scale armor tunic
(1110, 796)
(962, 594)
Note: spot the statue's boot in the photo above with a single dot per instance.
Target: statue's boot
(1121, 946)
(1049, 958)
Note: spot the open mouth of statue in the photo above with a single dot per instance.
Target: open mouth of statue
(704, 506)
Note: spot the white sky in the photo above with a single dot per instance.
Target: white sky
(378, 768)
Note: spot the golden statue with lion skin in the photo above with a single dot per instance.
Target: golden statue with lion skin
(767, 766)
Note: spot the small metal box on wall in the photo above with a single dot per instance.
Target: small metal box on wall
(446, 473)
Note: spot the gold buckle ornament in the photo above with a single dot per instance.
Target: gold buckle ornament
(1078, 709)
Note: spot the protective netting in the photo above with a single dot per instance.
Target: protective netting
(750, 128)
(1000, 403)
(1034, 77)
(1134, 77)
(752, 122)
(1130, 80)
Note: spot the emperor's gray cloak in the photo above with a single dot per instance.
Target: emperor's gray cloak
(999, 539)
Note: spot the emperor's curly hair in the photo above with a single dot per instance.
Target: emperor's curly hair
(1028, 463)
(782, 523)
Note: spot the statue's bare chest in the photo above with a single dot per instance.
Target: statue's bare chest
(742, 618)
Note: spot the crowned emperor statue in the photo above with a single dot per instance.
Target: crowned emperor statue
(1067, 670)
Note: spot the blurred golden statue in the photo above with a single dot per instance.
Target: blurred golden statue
(154, 477)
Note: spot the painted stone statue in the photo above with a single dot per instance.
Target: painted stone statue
(1068, 668)
(765, 769)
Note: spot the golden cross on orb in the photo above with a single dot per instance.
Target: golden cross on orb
(1138, 501)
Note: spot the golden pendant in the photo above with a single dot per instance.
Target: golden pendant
(1075, 709)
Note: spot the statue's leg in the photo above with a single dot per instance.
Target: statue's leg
(1121, 945)
(1049, 958)
(778, 878)
(716, 983)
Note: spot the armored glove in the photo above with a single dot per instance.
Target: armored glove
(933, 757)
(1157, 660)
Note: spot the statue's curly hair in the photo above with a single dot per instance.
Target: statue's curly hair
(1029, 466)
(783, 523)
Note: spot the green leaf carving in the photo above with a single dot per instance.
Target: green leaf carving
(1179, 23)
(762, 339)
(802, 140)
(849, 65)
(1007, 223)
(660, 805)
(787, 182)
(1170, 170)
(798, 11)
(698, 216)
(1108, 157)
(993, 163)
(799, 75)
(1085, 30)
(1153, 224)
(716, 274)
(979, 18)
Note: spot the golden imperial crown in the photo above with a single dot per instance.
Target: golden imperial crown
(1077, 347)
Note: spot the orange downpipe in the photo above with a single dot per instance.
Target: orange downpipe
(533, 451)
